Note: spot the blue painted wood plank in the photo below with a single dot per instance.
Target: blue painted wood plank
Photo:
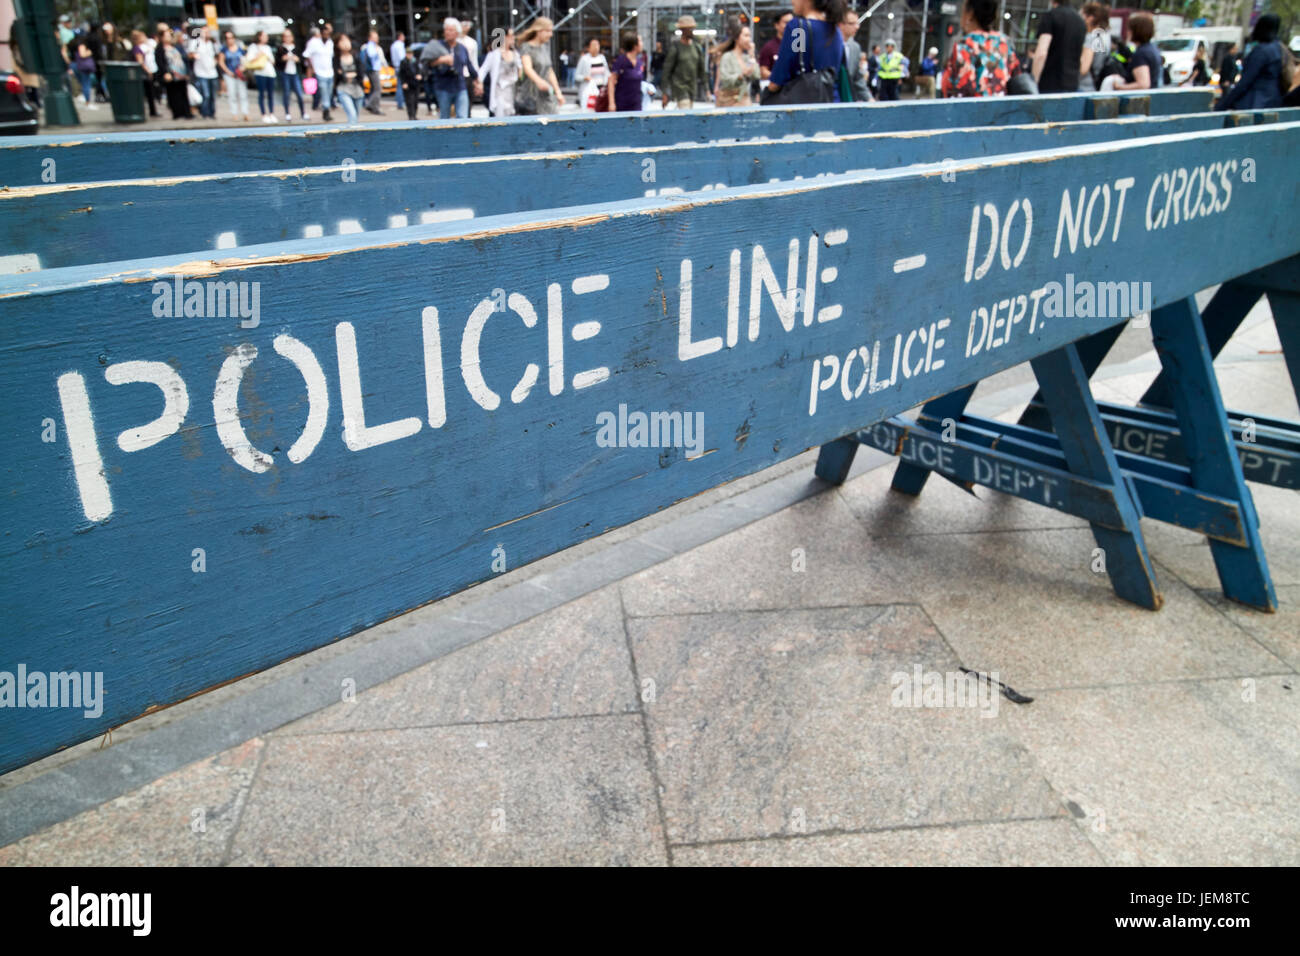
(973, 463)
(75, 157)
(391, 427)
(1270, 458)
(61, 225)
(1029, 464)
(1165, 491)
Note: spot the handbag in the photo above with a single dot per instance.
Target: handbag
(192, 91)
(258, 62)
(309, 86)
(810, 86)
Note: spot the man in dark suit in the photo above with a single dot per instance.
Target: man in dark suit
(853, 57)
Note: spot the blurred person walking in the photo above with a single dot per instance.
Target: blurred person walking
(592, 74)
(1260, 85)
(1145, 67)
(203, 55)
(142, 53)
(231, 63)
(1096, 46)
(348, 72)
(982, 61)
(812, 49)
(738, 70)
(625, 77)
(538, 91)
(319, 54)
(397, 56)
(174, 75)
(686, 68)
(1059, 51)
(501, 71)
(854, 61)
(925, 80)
(890, 72)
(372, 59)
(259, 59)
(289, 66)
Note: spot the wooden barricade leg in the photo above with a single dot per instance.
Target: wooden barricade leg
(1064, 385)
(909, 478)
(1211, 453)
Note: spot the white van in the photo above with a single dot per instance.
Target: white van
(1178, 50)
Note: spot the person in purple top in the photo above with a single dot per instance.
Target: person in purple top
(625, 76)
(811, 42)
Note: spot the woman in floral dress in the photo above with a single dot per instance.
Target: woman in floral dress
(982, 62)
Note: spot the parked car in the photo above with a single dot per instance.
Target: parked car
(17, 114)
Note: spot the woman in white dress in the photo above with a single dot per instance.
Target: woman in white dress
(502, 68)
(591, 75)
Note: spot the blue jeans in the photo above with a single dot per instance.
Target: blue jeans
(350, 105)
(208, 87)
(401, 98)
(87, 79)
(291, 83)
(265, 93)
(324, 92)
(448, 98)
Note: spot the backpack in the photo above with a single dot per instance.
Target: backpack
(1120, 61)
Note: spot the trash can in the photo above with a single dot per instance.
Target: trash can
(125, 81)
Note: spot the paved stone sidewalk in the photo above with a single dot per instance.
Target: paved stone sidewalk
(732, 705)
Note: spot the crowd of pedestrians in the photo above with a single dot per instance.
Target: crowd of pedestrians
(813, 55)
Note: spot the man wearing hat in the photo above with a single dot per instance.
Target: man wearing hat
(891, 71)
(929, 70)
(686, 67)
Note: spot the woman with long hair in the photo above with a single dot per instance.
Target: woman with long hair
(1260, 86)
(982, 62)
(260, 60)
(811, 43)
(1096, 45)
(539, 91)
(347, 77)
(737, 70)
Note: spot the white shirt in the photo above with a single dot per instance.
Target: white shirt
(397, 52)
(254, 49)
(205, 59)
(503, 77)
(320, 54)
(291, 66)
(471, 47)
(150, 61)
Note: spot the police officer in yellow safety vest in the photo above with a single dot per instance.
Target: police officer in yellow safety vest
(891, 71)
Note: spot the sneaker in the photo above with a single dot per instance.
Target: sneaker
(268, 117)
(92, 106)
(306, 118)
(288, 118)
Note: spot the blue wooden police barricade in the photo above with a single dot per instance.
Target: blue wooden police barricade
(60, 225)
(1182, 456)
(213, 464)
(60, 158)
